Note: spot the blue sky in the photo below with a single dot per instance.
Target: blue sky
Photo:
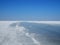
(30, 10)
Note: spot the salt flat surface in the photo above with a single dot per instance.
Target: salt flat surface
(29, 32)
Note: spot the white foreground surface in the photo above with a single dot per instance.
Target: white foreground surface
(19, 35)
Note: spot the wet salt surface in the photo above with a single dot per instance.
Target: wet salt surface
(25, 33)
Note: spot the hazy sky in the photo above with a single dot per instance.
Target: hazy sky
(30, 10)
